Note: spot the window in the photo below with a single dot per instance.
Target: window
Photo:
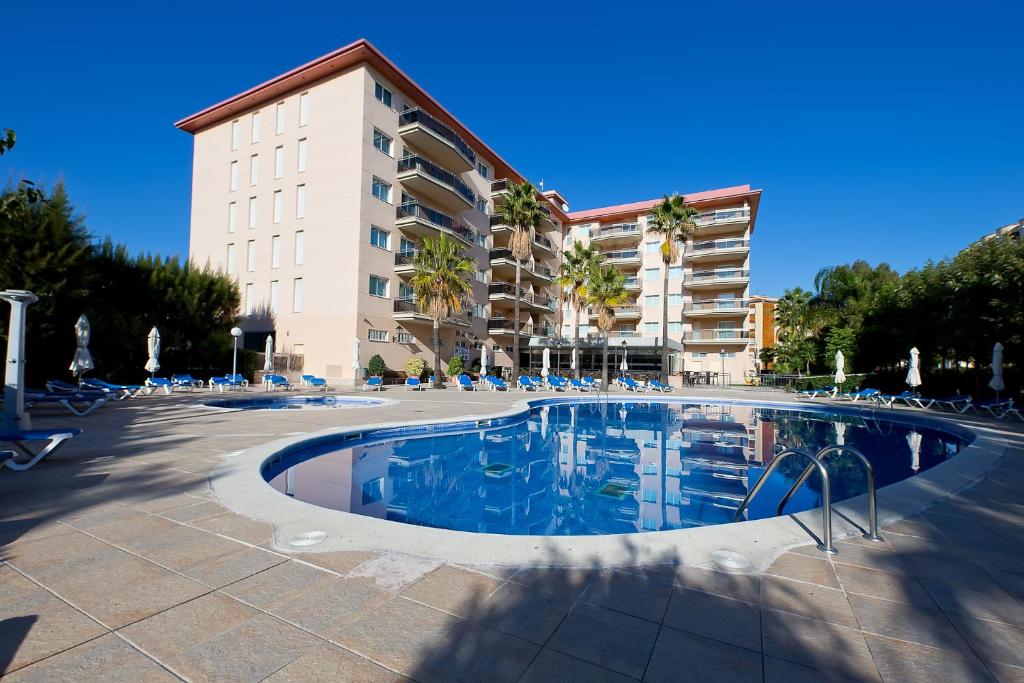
(652, 274)
(380, 238)
(236, 134)
(378, 286)
(231, 259)
(675, 272)
(300, 201)
(652, 300)
(275, 251)
(279, 112)
(232, 216)
(297, 295)
(675, 299)
(479, 311)
(405, 292)
(377, 335)
(300, 243)
(481, 276)
(481, 240)
(303, 151)
(482, 170)
(250, 256)
(273, 296)
(381, 141)
(652, 247)
(675, 327)
(481, 206)
(234, 176)
(252, 213)
(277, 206)
(255, 127)
(278, 162)
(254, 169)
(381, 190)
(406, 246)
(249, 298)
(403, 337)
(303, 109)
(382, 94)
(651, 328)
(584, 231)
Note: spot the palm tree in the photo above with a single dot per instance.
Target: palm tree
(520, 212)
(606, 289)
(672, 218)
(577, 264)
(440, 283)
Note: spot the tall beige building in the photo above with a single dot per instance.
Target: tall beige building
(315, 188)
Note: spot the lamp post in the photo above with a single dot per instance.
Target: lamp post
(14, 375)
(236, 332)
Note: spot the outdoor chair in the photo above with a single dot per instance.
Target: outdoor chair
(496, 383)
(372, 383)
(121, 391)
(464, 383)
(888, 400)
(997, 409)
(187, 382)
(413, 383)
(79, 403)
(56, 385)
(658, 386)
(228, 382)
(589, 381)
(630, 384)
(862, 395)
(276, 382)
(525, 383)
(577, 385)
(19, 438)
(557, 383)
(829, 391)
(959, 403)
(154, 383)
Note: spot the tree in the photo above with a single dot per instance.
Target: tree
(376, 367)
(440, 283)
(456, 366)
(606, 289)
(573, 274)
(415, 367)
(522, 213)
(672, 219)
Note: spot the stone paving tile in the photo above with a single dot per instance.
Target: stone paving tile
(821, 645)
(877, 584)
(730, 621)
(107, 659)
(329, 607)
(992, 641)
(873, 557)
(453, 590)
(1005, 673)
(1011, 582)
(630, 594)
(929, 627)
(278, 585)
(804, 568)
(524, 612)
(781, 671)
(900, 661)
(598, 636)
(745, 587)
(567, 581)
(994, 604)
(806, 599)
(330, 663)
(238, 527)
(914, 525)
(554, 667)
(341, 561)
(192, 513)
(680, 656)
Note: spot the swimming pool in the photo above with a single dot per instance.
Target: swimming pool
(590, 468)
(278, 402)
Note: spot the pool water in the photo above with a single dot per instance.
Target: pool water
(602, 468)
(271, 402)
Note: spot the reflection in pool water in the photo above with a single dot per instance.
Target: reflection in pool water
(593, 468)
(293, 402)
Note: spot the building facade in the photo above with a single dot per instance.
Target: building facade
(315, 189)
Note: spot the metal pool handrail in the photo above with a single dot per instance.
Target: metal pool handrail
(872, 532)
(826, 495)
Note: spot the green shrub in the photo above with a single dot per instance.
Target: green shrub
(818, 382)
(456, 366)
(377, 367)
(416, 367)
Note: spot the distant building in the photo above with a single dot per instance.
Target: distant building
(763, 331)
(1012, 231)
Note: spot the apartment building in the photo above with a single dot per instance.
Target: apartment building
(316, 188)
(763, 330)
(1011, 231)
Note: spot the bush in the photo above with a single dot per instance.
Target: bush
(416, 367)
(377, 367)
(456, 366)
(820, 381)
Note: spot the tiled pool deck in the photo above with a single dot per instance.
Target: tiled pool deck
(116, 564)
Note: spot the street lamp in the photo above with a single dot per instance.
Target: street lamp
(236, 332)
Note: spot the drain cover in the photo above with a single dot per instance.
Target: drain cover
(308, 538)
(727, 559)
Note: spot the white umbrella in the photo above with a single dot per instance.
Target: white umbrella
(572, 362)
(840, 366)
(153, 342)
(268, 353)
(483, 360)
(545, 363)
(624, 366)
(914, 373)
(840, 428)
(82, 362)
(355, 356)
(914, 441)
(996, 383)
(544, 422)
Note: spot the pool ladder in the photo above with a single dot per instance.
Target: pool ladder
(816, 462)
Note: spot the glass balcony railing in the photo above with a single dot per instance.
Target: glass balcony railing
(716, 335)
(633, 283)
(440, 220)
(623, 255)
(720, 216)
(524, 295)
(723, 305)
(441, 130)
(404, 258)
(623, 311)
(623, 230)
(706, 276)
(406, 306)
(543, 241)
(499, 185)
(711, 246)
(444, 176)
(532, 266)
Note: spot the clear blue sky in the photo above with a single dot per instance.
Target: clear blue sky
(884, 131)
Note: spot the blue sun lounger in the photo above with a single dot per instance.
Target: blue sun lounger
(557, 383)
(997, 409)
(959, 403)
(372, 384)
(496, 383)
(526, 384)
(464, 383)
(578, 385)
(187, 382)
(889, 399)
(862, 395)
(630, 385)
(829, 391)
(19, 438)
(89, 401)
(658, 386)
(154, 383)
(276, 382)
(122, 391)
(413, 383)
(320, 382)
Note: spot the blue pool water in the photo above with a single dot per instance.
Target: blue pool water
(579, 468)
(271, 402)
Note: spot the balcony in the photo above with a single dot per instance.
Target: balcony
(717, 250)
(627, 257)
(633, 284)
(547, 219)
(437, 140)
(498, 327)
(504, 266)
(534, 301)
(405, 310)
(404, 263)
(714, 336)
(438, 184)
(503, 232)
(716, 308)
(626, 233)
(722, 220)
(426, 222)
(499, 190)
(723, 277)
(622, 313)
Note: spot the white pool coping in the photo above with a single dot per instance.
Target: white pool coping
(239, 485)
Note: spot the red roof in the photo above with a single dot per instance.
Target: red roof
(644, 206)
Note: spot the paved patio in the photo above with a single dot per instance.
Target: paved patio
(116, 564)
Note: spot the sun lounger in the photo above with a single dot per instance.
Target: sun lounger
(862, 395)
(464, 383)
(187, 382)
(630, 384)
(1015, 411)
(228, 382)
(526, 384)
(959, 403)
(79, 403)
(496, 383)
(277, 382)
(889, 399)
(122, 391)
(56, 385)
(996, 409)
(589, 381)
(320, 382)
(154, 383)
(820, 392)
(19, 438)
(413, 383)
(658, 386)
(557, 383)
(578, 385)
(372, 384)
